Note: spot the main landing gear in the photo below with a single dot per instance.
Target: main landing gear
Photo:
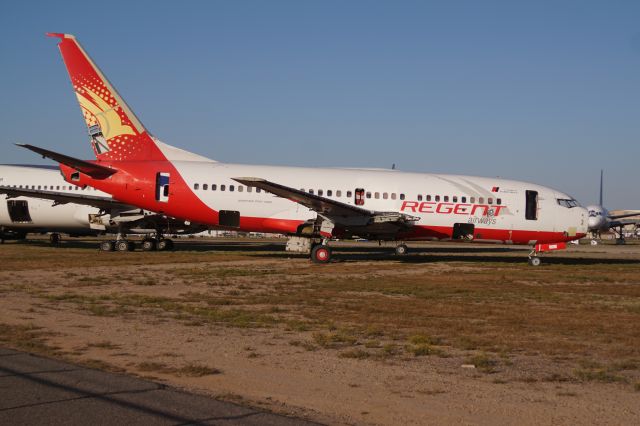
(160, 244)
(401, 249)
(54, 238)
(321, 253)
(148, 244)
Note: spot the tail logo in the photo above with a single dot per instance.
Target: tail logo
(97, 111)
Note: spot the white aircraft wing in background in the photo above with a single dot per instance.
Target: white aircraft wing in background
(102, 203)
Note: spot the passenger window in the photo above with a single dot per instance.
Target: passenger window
(320, 192)
(472, 200)
(240, 188)
(258, 190)
(463, 199)
(249, 188)
(196, 186)
(329, 193)
(393, 195)
(368, 195)
(205, 186)
(349, 194)
(419, 197)
(499, 201)
(428, 197)
(446, 198)
(455, 199)
(490, 200)
(481, 200)
(437, 198)
(376, 195)
(231, 188)
(222, 187)
(311, 191)
(214, 186)
(39, 186)
(338, 193)
(57, 187)
(385, 195)
(402, 196)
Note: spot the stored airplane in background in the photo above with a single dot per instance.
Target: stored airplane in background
(36, 199)
(310, 205)
(601, 221)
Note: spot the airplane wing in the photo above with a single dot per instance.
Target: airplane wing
(625, 222)
(343, 214)
(100, 202)
(620, 216)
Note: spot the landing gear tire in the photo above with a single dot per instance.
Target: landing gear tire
(321, 254)
(535, 261)
(165, 244)
(54, 238)
(107, 246)
(123, 245)
(148, 244)
(402, 249)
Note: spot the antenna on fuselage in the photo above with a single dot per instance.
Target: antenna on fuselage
(601, 174)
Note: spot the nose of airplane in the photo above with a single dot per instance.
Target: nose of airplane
(583, 219)
(595, 222)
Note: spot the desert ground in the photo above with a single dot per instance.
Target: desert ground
(452, 333)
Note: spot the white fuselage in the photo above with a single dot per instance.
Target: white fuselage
(39, 215)
(497, 207)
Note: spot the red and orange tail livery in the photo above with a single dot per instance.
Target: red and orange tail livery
(116, 133)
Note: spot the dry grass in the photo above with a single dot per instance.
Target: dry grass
(484, 309)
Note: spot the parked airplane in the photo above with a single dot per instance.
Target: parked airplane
(38, 199)
(311, 205)
(601, 221)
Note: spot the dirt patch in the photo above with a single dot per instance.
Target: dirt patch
(440, 336)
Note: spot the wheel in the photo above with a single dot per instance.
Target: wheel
(107, 246)
(165, 244)
(54, 238)
(402, 249)
(148, 244)
(534, 261)
(321, 254)
(122, 245)
(594, 242)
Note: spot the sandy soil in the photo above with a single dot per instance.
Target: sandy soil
(264, 366)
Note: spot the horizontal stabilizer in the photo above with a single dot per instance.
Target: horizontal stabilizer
(93, 170)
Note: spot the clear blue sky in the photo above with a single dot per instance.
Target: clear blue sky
(546, 91)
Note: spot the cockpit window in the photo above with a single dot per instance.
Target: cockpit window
(568, 203)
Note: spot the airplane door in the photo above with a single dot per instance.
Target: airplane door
(19, 211)
(162, 187)
(359, 197)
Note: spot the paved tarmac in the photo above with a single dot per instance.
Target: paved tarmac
(36, 390)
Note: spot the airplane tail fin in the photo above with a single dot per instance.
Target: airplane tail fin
(115, 131)
(601, 179)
